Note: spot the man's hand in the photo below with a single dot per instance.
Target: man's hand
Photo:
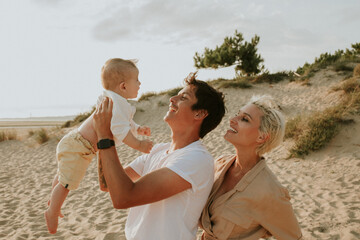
(145, 146)
(144, 131)
(102, 119)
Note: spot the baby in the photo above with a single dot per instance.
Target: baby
(77, 148)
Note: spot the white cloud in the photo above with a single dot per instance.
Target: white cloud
(48, 2)
(169, 21)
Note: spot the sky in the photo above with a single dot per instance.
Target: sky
(52, 51)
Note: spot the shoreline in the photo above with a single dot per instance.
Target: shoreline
(35, 122)
(37, 119)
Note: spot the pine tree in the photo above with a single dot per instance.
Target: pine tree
(233, 51)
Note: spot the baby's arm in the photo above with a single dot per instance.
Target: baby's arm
(141, 145)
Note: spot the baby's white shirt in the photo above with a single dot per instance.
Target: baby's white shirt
(122, 116)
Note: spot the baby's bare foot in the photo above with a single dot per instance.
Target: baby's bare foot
(51, 222)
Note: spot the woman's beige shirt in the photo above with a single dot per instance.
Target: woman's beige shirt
(258, 206)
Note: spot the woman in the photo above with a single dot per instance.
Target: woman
(247, 201)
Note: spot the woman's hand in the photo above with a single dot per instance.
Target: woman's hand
(102, 119)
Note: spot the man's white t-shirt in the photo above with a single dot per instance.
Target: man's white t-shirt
(175, 217)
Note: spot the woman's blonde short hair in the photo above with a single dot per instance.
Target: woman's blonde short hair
(272, 123)
(114, 71)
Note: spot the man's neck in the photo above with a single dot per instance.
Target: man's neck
(182, 139)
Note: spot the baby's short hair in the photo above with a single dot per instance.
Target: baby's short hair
(272, 122)
(114, 71)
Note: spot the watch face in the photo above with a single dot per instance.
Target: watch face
(105, 143)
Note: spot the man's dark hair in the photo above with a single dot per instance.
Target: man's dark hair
(208, 99)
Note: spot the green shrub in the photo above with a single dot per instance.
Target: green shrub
(309, 73)
(235, 83)
(343, 66)
(301, 70)
(327, 59)
(273, 77)
(356, 47)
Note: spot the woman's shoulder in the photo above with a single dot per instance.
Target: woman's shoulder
(269, 184)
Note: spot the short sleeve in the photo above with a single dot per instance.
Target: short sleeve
(138, 164)
(141, 164)
(196, 167)
(134, 127)
(278, 217)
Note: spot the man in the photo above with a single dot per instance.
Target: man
(167, 188)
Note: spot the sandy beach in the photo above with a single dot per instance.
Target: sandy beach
(324, 186)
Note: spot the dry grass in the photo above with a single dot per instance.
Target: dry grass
(356, 72)
(7, 135)
(147, 96)
(41, 136)
(273, 77)
(78, 119)
(315, 131)
(170, 93)
(348, 86)
(235, 83)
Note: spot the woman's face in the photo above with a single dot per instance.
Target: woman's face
(244, 127)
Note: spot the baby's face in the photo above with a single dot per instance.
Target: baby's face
(132, 83)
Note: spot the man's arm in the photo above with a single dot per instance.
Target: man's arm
(124, 192)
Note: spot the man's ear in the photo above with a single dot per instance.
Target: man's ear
(263, 137)
(201, 114)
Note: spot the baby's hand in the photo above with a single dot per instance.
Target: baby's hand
(145, 146)
(143, 130)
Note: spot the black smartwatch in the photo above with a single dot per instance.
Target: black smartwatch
(105, 143)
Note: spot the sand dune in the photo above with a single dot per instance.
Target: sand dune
(325, 186)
